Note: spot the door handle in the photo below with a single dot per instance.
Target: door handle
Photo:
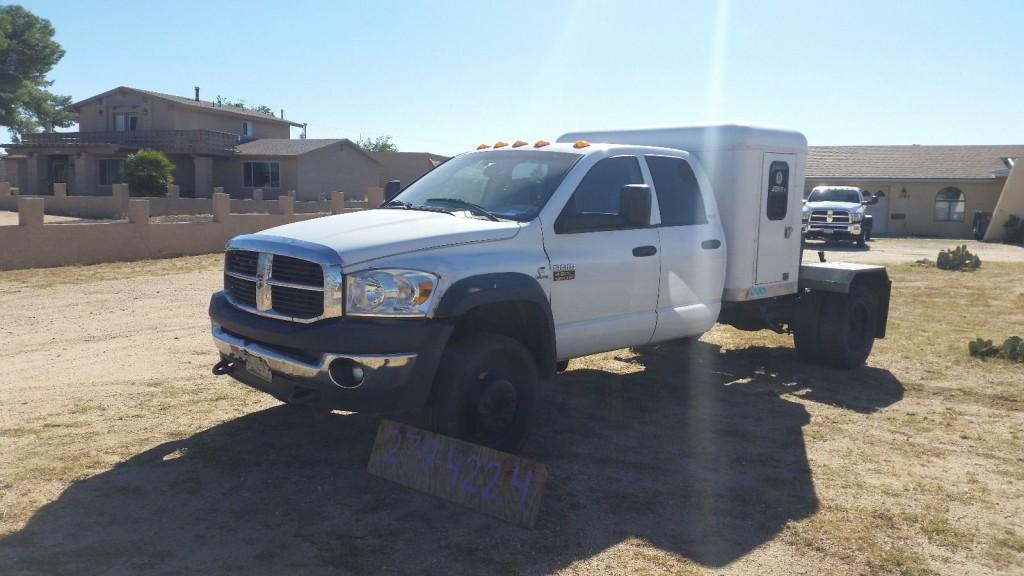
(710, 244)
(641, 251)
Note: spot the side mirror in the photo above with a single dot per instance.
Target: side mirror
(874, 198)
(635, 205)
(391, 189)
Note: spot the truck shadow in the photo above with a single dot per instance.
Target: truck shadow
(696, 451)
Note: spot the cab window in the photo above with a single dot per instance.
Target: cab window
(678, 191)
(595, 202)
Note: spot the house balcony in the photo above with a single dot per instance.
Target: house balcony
(167, 141)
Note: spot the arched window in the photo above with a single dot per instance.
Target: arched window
(949, 205)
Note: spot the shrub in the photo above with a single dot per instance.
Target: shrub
(959, 258)
(148, 173)
(1012, 349)
(1014, 229)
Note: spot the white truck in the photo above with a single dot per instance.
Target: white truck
(463, 293)
(838, 212)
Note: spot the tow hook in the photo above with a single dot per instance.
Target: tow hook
(223, 367)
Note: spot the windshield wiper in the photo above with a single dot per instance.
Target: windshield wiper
(472, 207)
(411, 206)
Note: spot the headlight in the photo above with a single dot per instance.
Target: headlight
(389, 293)
(856, 217)
(804, 213)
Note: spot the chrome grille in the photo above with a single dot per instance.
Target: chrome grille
(296, 302)
(296, 271)
(830, 217)
(241, 291)
(276, 285)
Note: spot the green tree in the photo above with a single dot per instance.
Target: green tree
(264, 109)
(27, 53)
(378, 144)
(148, 173)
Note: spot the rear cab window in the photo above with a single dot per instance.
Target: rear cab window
(679, 195)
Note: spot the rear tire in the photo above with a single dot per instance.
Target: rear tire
(848, 323)
(484, 392)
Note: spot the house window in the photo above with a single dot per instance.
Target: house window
(262, 174)
(247, 129)
(125, 122)
(949, 205)
(111, 171)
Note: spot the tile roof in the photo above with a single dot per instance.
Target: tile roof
(283, 146)
(192, 102)
(909, 162)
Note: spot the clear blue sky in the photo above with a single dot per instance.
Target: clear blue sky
(444, 76)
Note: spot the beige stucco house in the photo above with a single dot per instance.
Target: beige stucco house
(210, 145)
(928, 190)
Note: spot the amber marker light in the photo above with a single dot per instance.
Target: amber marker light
(519, 143)
(482, 147)
(541, 143)
(500, 144)
(581, 144)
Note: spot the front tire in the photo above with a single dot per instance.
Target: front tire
(861, 239)
(484, 392)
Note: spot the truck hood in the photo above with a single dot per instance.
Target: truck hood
(372, 234)
(848, 206)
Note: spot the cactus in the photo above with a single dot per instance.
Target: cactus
(1012, 349)
(959, 258)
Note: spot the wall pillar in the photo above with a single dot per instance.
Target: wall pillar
(221, 206)
(5, 188)
(374, 196)
(257, 194)
(60, 190)
(337, 202)
(287, 204)
(138, 211)
(30, 212)
(173, 191)
(204, 176)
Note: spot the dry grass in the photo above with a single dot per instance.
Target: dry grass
(727, 458)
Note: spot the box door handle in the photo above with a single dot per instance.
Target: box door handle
(641, 251)
(710, 244)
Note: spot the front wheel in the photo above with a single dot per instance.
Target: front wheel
(860, 240)
(484, 392)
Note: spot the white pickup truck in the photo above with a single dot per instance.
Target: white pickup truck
(838, 212)
(466, 291)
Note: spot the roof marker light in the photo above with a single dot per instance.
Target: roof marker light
(581, 144)
(500, 144)
(541, 143)
(482, 147)
(519, 143)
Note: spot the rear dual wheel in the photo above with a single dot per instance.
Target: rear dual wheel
(836, 329)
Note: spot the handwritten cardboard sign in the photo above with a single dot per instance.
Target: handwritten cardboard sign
(487, 480)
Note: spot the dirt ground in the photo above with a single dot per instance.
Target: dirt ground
(8, 218)
(120, 453)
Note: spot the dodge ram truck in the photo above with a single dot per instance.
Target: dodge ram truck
(461, 295)
(838, 212)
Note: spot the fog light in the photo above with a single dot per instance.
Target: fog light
(346, 373)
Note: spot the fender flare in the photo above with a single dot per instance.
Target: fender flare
(495, 288)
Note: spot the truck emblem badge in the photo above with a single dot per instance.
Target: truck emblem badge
(829, 217)
(564, 272)
(264, 268)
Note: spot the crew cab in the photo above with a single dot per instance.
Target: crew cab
(465, 292)
(838, 212)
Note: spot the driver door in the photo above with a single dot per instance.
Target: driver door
(604, 274)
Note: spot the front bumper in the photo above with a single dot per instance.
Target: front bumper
(379, 366)
(815, 229)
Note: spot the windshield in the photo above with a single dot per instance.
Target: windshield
(513, 184)
(835, 195)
